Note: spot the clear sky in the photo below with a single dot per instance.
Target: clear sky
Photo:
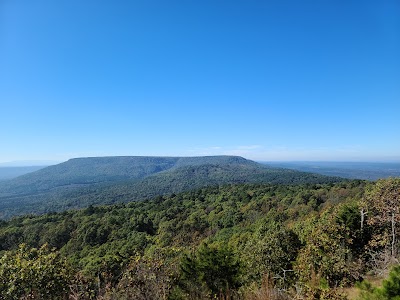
(268, 80)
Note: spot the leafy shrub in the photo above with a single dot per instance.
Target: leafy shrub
(34, 274)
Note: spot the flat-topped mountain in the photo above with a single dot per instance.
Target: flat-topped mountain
(90, 170)
(81, 182)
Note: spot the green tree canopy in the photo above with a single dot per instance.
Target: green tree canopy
(34, 274)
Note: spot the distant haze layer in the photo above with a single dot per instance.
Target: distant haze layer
(352, 170)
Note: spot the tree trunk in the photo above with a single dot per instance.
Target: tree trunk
(363, 213)
(393, 234)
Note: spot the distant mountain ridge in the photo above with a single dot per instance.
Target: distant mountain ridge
(81, 182)
(90, 170)
(7, 172)
(29, 163)
(351, 170)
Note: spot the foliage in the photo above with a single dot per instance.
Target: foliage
(318, 289)
(82, 182)
(34, 273)
(327, 250)
(390, 289)
(267, 291)
(216, 268)
(271, 250)
(146, 278)
(136, 248)
(383, 202)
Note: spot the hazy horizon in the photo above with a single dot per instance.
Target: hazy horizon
(24, 163)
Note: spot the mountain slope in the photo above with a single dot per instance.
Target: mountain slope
(81, 171)
(92, 170)
(7, 173)
(85, 181)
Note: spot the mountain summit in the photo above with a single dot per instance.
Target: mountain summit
(80, 182)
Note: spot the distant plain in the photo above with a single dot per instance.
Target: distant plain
(350, 170)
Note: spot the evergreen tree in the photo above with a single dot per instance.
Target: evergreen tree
(216, 268)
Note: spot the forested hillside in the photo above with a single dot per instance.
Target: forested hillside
(234, 241)
(7, 173)
(106, 180)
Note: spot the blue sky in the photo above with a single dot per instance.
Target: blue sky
(268, 80)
